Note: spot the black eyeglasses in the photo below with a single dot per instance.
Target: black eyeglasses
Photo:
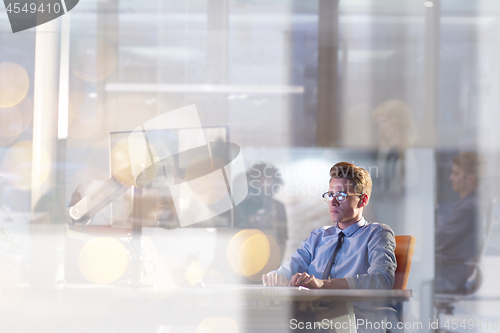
(339, 196)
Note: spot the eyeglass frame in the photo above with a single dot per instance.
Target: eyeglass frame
(334, 195)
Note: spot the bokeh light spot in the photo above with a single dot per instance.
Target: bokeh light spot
(248, 252)
(121, 167)
(5, 141)
(218, 325)
(26, 109)
(103, 260)
(14, 84)
(11, 126)
(11, 122)
(94, 59)
(17, 165)
(272, 263)
(194, 272)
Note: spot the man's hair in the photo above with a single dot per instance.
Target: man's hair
(359, 176)
(471, 163)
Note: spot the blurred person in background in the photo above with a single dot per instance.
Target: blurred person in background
(260, 210)
(458, 233)
(397, 134)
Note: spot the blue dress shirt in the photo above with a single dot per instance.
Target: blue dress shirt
(366, 258)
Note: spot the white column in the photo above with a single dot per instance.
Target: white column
(45, 111)
(47, 225)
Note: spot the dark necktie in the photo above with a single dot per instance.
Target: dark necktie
(326, 273)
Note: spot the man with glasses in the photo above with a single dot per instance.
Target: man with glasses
(350, 254)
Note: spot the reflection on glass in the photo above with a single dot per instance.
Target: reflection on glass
(172, 147)
(260, 210)
(397, 134)
(248, 251)
(459, 240)
(121, 167)
(14, 84)
(17, 164)
(93, 59)
(11, 123)
(85, 115)
(103, 260)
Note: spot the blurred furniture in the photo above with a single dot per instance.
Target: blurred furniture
(104, 308)
(393, 311)
(405, 246)
(445, 303)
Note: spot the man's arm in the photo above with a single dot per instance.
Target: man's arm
(380, 273)
(273, 279)
(311, 282)
(382, 262)
(299, 262)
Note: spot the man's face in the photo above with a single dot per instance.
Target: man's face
(349, 210)
(458, 179)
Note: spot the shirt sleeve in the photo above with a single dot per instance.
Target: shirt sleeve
(382, 261)
(301, 259)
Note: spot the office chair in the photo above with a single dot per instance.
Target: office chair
(445, 302)
(405, 246)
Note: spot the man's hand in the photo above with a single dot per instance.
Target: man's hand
(306, 280)
(274, 280)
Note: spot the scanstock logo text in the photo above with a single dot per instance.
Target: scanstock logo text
(26, 14)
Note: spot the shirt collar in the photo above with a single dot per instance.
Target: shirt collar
(350, 230)
(471, 194)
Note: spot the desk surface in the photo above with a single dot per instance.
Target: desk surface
(244, 292)
(60, 309)
(296, 294)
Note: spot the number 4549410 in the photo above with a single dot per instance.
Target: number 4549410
(33, 8)
(470, 324)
